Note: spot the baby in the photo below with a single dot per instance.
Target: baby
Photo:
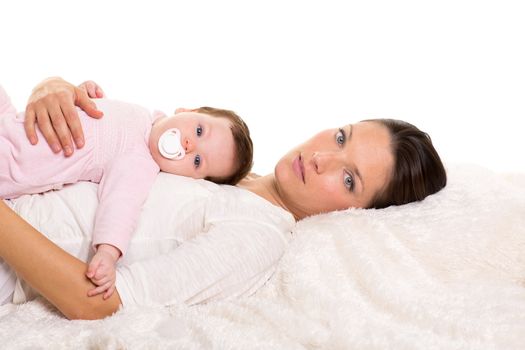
(123, 153)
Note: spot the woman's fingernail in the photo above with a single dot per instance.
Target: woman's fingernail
(79, 142)
(55, 147)
(68, 150)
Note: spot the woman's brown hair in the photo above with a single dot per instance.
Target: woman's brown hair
(418, 171)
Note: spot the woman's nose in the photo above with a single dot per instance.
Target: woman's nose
(323, 161)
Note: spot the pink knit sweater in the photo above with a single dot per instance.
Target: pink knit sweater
(115, 155)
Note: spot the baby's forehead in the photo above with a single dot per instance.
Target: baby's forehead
(205, 117)
(222, 156)
(192, 114)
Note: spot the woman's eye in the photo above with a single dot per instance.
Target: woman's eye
(348, 181)
(340, 137)
(198, 130)
(197, 161)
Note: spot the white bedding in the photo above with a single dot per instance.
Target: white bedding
(446, 273)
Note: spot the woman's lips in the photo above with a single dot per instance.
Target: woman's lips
(298, 167)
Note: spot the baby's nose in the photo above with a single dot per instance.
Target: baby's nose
(188, 145)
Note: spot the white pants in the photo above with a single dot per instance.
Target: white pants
(7, 283)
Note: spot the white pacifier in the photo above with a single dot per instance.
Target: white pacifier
(170, 146)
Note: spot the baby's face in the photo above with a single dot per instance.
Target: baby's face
(207, 141)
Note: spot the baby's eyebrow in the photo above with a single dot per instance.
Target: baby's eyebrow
(206, 128)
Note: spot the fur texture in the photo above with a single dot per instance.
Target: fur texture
(445, 273)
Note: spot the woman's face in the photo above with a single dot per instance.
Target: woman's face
(336, 169)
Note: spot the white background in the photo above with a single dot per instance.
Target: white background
(456, 69)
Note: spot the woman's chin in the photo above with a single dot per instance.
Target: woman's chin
(283, 171)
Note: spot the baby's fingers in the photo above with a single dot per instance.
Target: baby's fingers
(99, 290)
(92, 268)
(102, 280)
(109, 292)
(101, 275)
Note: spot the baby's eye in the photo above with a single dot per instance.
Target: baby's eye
(198, 130)
(348, 181)
(197, 161)
(340, 137)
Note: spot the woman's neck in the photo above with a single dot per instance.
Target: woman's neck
(264, 186)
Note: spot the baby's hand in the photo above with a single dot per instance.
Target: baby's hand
(101, 270)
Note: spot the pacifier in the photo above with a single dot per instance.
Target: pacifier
(170, 146)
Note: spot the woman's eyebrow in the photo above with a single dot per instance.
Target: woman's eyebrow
(356, 169)
(358, 174)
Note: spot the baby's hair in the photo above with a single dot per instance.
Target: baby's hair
(243, 145)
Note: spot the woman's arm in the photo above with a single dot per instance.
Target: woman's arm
(233, 258)
(54, 273)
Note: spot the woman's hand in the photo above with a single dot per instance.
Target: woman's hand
(52, 106)
(92, 89)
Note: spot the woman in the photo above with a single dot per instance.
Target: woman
(371, 164)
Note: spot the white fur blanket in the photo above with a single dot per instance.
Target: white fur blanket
(446, 273)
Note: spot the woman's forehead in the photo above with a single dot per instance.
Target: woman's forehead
(370, 152)
(369, 139)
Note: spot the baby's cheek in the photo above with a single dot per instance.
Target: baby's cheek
(188, 172)
(182, 167)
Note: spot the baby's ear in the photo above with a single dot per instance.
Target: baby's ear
(180, 110)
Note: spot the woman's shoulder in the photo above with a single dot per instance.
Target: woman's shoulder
(246, 180)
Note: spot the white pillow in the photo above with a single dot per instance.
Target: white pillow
(449, 270)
